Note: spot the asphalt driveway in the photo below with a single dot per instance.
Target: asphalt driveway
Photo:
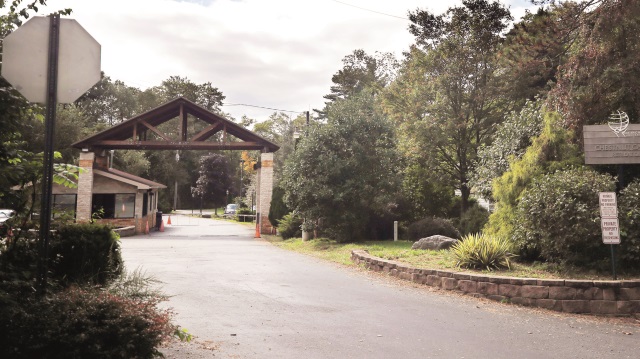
(244, 298)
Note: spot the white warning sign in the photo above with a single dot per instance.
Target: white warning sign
(610, 231)
(609, 218)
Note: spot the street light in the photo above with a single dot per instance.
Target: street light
(241, 171)
(175, 192)
(296, 137)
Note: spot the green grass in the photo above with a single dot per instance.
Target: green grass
(401, 251)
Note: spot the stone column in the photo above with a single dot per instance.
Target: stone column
(265, 192)
(85, 187)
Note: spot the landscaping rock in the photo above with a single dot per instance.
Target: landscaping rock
(435, 243)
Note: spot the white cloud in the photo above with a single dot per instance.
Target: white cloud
(277, 53)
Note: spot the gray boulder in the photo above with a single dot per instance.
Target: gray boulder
(435, 243)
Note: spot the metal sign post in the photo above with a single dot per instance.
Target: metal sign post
(50, 60)
(609, 224)
(47, 177)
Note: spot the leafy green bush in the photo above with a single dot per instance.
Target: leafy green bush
(290, 226)
(81, 323)
(629, 214)
(482, 252)
(432, 226)
(473, 220)
(423, 194)
(18, 268)
(558, 218)
(85, 254)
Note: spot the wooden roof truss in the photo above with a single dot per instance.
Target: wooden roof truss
(142, 132)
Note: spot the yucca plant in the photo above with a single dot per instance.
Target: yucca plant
(482, 252)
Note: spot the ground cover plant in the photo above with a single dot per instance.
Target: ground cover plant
(401, 251)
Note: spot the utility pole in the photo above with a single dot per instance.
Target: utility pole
(175, 187)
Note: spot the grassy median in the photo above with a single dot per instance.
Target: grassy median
(401, 251)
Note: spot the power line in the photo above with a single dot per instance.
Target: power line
(377, 12)
(267, 108)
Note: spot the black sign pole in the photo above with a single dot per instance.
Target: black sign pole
(47, 177)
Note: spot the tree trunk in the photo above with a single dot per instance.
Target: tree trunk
(465, 193)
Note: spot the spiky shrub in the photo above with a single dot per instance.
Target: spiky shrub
(289, 226)
(482, 252)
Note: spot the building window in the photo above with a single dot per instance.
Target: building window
(64, 205)
(125, 205)
(145, 204)
(119, 205)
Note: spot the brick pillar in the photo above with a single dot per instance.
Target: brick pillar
(85, 187)
(265, 190)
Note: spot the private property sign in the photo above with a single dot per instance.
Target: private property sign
(609, 218)
(617, 142)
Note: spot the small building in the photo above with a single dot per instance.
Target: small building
(117, 198)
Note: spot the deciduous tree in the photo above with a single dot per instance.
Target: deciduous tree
(346, 171)
(463, 103)
(214, 180)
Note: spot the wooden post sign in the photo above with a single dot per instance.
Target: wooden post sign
(617, 142)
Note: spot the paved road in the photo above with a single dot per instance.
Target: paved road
(248, 299)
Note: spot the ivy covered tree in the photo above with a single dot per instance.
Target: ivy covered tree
(511, 140)
(533, 50)
(601, 74)
(550, 151)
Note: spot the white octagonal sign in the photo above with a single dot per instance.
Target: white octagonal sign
(25, 54)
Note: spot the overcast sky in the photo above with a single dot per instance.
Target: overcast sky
(272, 53)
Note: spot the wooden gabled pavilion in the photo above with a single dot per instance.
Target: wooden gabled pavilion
(145, 132)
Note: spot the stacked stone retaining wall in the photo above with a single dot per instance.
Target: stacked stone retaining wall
(616, 298)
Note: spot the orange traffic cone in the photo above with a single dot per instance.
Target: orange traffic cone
(257, 230)
(161, 226)
(169, 221)
(146, 228)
